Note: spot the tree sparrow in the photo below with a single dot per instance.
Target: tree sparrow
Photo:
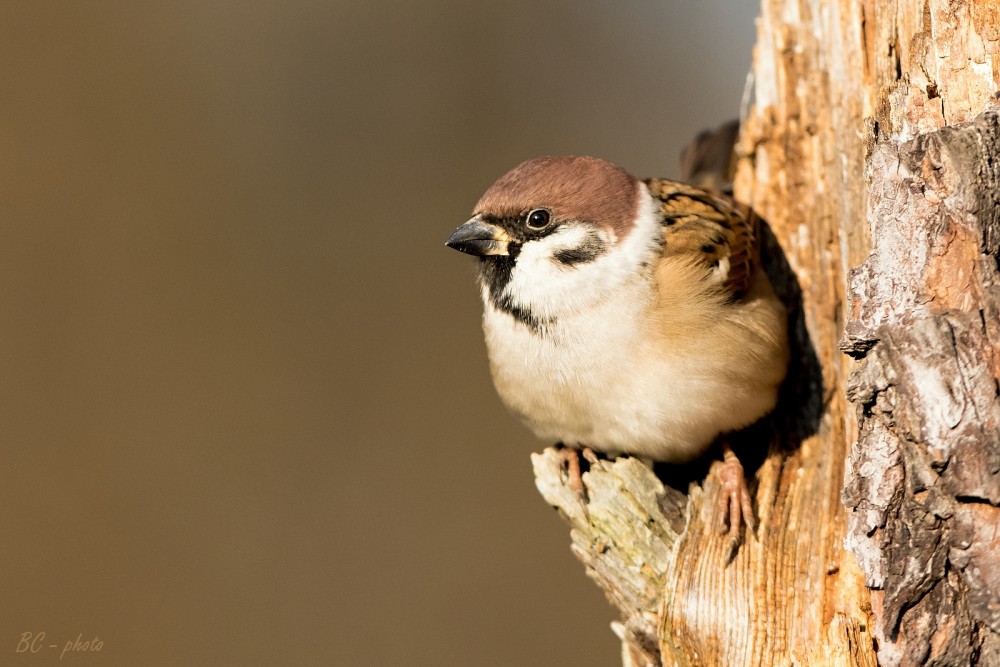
(624, 315)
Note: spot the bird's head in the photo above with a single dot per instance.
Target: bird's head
(555, 234)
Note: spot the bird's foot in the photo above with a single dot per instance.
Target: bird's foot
(735, 505)
(571, 461)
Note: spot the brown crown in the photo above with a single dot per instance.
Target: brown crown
(572, 188)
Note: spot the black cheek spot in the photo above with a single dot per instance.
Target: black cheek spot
(592, 248)
(574, 256)
(708, 247)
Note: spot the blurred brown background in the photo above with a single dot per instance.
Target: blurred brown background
(245, 412)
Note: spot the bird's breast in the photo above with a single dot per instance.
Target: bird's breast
(595, 381)
(606, 379)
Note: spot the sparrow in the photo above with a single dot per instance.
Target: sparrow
(627, 316)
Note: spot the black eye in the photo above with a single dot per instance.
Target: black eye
(538, 218)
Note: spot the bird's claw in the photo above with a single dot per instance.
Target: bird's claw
(735, 506)
(571, 462)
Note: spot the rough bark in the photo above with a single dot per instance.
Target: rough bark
(879, 509)
(923, 478)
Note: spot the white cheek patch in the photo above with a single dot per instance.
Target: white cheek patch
(547, 286)
(580, 265)
(568, 246)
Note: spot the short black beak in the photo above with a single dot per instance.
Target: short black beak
(477, 237)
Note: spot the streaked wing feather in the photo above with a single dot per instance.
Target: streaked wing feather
(709, 228)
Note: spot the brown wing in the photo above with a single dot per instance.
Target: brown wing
(709, 228)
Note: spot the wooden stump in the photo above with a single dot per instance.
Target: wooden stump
(872, 153)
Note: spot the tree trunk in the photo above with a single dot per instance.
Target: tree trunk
(870, 145)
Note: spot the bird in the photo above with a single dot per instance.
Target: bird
(627, 316)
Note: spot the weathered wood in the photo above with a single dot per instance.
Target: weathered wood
(622, 536)
(848, 156)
